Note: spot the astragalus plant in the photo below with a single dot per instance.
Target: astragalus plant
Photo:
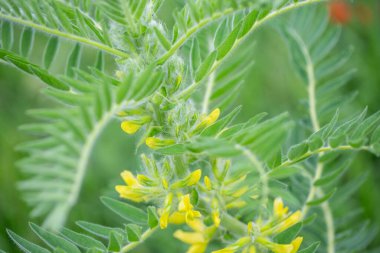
(220, 185)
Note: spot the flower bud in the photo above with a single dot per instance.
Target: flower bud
(155, 143)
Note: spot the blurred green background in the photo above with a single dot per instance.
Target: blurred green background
(271, 86)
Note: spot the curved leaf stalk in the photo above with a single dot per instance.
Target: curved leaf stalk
(73, 37)
(85, 156)
(189, 90)
(190, 32)
(209, 87)
(327, 214)
(320, 151)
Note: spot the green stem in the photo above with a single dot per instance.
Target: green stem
(189, 33)
(319, 151)
(133, 245)
(233, 225)
(65, 35)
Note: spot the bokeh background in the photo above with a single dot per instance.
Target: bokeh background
(271, 86)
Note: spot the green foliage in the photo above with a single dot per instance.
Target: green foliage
(164, 81)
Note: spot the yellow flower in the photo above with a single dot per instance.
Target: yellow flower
(130, 193)
(132, 190)
(296, 244)
(186, 207)
(238, 245)
(207, 182)
(279, 209)
(190, 180)
(129, 178)
(211, 118)
(164, 218)
(216, 217)
(155, 143)
(250, 249)
(130, 127)
(275, 247)
(288, 222)
(194, 177)
(197, 239)
(208, 120)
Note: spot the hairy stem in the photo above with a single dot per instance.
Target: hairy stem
(233, 225)
(327, 214)
(73, 37)
(317, 152)
(209, 86)
(189, 33)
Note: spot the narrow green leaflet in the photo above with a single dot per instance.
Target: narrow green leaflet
(25, 245)
(126, 211)
(53, 240)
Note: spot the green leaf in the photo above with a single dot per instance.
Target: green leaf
(195, 53)
(175, 149)
(315, 142)
(229, 42)
(220, 33)
(53, 240)
(248, 22)
(73, 60)
(162, 38)
(114, 243)
(126, 211)
(280, 173)
(322, 199)
(133, 232)
(206, 66)
(94, 250)
(311, 249)
(6, 35)
(331, 176)
(288, 235)
(27, 39)
(99, 63)
(99, 230)
(152, 217)
(25, 245)
(50, 51)
(82, 240)
(298, 150)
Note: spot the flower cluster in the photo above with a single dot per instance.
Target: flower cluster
(260, 233)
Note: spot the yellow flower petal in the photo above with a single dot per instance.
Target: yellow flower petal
(185, 205)
(207, 182)
(129, 193)
(164, 220)
(224, 251)
(128, 178)
(197, 225)
(278, 208)
(130, 127)
(296, 244)
(212, 117)
(216, 218)
(290, 221)
(155, 143)
(189, 237)
(194, 177)
(177, 218)
(197, 248)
